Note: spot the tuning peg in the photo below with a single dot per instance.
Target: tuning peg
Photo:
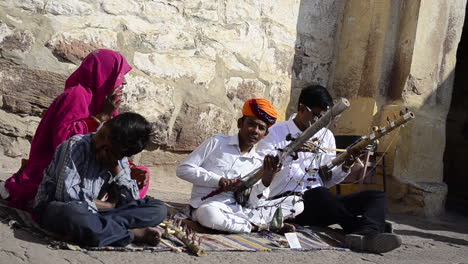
(375, 128)
(407, 110)
(402, 113)
(294, 156)
(289, 137)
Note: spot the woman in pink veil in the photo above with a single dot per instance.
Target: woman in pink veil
(92, 95)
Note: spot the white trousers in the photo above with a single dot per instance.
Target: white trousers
(234, 218)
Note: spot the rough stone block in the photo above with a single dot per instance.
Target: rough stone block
(199, 70)
(194, 124)
(27, 91)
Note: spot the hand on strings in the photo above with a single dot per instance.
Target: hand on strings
(139, 175)
(350, 161)
(325, 173)
(111, 104)
(271, 166)
(229, 185)
(310, 146)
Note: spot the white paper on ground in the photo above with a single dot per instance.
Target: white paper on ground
(292, 240)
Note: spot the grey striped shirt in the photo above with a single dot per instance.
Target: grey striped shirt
(75, 174)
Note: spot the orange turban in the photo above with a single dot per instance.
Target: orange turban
(261, 109)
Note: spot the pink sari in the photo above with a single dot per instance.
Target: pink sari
(85, 91)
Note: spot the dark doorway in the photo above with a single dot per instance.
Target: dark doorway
(456, 150)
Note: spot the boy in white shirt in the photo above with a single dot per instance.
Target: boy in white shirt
(361, 214)
(221, 161)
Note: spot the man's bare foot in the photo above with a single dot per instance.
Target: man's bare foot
(259, 228)
(148, 235)
(286, 228)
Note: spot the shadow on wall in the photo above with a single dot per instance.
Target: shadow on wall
(420, 148)
(457, 132)
(317, 27)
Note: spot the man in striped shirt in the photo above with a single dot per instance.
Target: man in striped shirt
(88, 168)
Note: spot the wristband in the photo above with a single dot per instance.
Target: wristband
(96, 119)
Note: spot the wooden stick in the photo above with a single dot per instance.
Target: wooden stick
(182, 233)
(175, 249)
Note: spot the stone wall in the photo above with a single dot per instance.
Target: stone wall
(428, 89)
(195, 62)
(394, 55)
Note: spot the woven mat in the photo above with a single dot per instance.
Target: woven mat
(263, 241)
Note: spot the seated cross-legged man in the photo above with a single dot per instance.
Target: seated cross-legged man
(221, 161)
(92, 95)
(361, 215)
(86, 169)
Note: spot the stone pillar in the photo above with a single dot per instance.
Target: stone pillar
(422, 79)
(392, 55)
(358, 63)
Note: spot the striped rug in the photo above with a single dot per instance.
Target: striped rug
(254, 242)
(263, 241)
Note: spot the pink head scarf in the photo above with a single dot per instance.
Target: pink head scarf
(85, 91)
(100, 73)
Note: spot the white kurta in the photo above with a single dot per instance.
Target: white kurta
(294, 176)
(217, 157)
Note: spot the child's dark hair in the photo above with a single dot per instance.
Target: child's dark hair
(130, 133)
(315, 96)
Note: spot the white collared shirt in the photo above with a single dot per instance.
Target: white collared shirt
(293, 176)
(217, 157)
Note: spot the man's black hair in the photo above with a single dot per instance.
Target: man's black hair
(315, 96)
(130, 133)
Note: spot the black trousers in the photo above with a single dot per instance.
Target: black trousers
(107, 227)
(362, 212)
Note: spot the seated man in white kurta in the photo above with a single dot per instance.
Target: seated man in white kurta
(221, 161)
(361, 215)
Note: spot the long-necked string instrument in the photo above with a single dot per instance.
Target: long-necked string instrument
(245, 184)
(365, 141)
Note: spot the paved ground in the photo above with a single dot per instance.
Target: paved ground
(441, 240)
